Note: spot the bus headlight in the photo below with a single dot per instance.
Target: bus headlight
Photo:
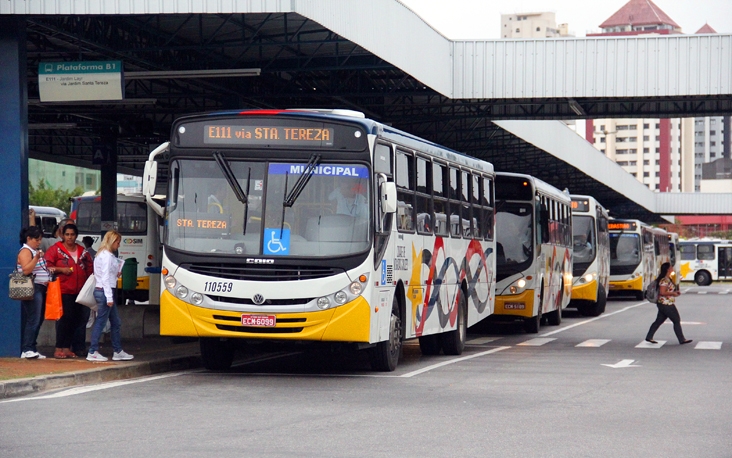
(356, 288)
(587, 278)
(170, 281)
(197, 298)
(181, 292)
(340, 297)
(323, 303)
(517, 286)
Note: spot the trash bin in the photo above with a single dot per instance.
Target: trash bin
(129, 274)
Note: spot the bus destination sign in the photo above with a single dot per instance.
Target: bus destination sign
(268, 135)
(621, 226)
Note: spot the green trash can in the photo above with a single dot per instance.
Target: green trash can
(129, 274)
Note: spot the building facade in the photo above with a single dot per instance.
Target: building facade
(532, 25)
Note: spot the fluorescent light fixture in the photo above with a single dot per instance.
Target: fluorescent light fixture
(51, 125)
(96, 102)
(176, 74)
(577, 108)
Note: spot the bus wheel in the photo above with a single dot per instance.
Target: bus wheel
(430, 345)
(555, 318)
(385, 355)
(532, 325)
(453, 342)
(217, 354)
(601, 299)
(702, 278)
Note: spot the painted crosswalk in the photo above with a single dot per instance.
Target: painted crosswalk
(538, 342)
(593, 343)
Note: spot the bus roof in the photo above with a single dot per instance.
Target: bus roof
(369, 125)
(539, 185)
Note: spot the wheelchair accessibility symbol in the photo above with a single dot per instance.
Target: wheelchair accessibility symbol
(274, 244)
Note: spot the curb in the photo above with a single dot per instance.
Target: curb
(26, 386)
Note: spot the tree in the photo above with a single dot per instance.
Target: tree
(43, 195)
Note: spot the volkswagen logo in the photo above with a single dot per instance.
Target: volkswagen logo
(258, 299)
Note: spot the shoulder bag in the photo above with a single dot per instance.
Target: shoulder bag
(86, 295)
(21, 286)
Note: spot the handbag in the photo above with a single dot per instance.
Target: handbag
(54, 304)
(21, 286)
(86, 295)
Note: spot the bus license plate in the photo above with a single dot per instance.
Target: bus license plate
(265, 321)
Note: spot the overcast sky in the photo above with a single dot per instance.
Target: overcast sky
(474, 19)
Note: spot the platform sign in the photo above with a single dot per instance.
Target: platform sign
(76, 81)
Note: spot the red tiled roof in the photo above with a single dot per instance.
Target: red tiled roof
(706, 28)
(638, 12)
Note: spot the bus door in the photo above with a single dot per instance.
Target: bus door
(724, 256)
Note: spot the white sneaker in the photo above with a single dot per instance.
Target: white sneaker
(122, 356)
(30, 354)
(96, 357)
(40, 356)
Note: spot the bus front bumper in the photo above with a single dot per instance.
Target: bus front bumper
(627, 285)
(348, 323)
(585, 291)
(516, 305)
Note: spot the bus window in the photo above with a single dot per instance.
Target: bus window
(583, 237)
(422, 206)
(624, 249)
(405, 191)
(487, 203)
(514, 220)
(705, 252)
(455, 219)
(132, 217)
(439, 175)
(688, 252)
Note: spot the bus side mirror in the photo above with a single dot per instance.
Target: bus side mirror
(388, 196)
(150, 178)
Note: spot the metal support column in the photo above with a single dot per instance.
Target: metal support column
(14, 160)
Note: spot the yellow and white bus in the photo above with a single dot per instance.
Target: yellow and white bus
(705, 261)
(533, 250)
(591, 260)
(327, 227)
(637, 251)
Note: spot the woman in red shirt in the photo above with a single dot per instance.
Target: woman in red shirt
(73, 265)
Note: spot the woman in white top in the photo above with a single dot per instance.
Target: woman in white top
(106, 270)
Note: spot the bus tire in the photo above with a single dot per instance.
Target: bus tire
(702, 278)
(532, 325)
(555, 318)
(453, 342)
(430, 345)
(217, 354)
(601, 299)
(385, 355)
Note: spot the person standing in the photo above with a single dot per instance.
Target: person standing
(73, 265)
(88, 242)
(666, 304)
(30, 261)
(106, 271)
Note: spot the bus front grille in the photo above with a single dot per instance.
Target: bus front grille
(249, 301)
(261, 272)
(255, 330)
(622, 270)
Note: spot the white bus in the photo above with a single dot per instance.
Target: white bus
(140, 229)
(533, 250)
(637, 251)
(326, 226)
(591, 247)
(705, 261)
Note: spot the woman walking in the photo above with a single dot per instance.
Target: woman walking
(106, 271)
(30, 261)
(73, 265)
(667, 292)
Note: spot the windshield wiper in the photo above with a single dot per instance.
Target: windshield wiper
(241, 196)
(299, 185)
(302, 181)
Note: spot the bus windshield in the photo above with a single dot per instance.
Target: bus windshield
(583, 235)
(625, 250)
(515, 248)
(329, 217)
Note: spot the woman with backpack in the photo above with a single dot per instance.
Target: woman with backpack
(666, 304)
